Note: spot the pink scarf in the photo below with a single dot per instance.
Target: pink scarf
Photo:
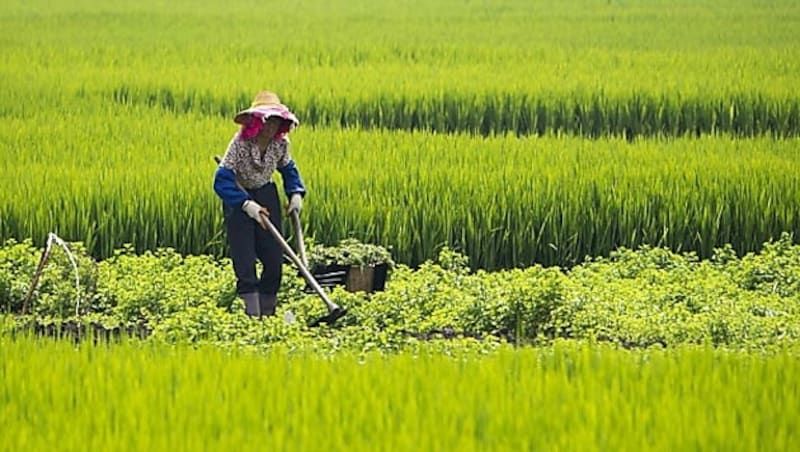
(253, 128)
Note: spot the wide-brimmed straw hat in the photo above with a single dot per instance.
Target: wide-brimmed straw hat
(266, 104)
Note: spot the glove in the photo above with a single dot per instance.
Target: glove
(257, 212)
(295, 204)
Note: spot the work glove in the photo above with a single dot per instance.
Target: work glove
(257, 212)
(295, 204)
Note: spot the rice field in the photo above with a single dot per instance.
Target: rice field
(571, 130)
(155, 397)
(593, 205)
(505, 201)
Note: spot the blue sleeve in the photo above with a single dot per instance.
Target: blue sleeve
(226, 188)
(292, 182)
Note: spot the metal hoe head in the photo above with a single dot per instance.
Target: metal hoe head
(329, 319)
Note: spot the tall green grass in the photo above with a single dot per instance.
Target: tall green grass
(151, 397)
(144, 177)
(582, 67)
(111, 114)
(591, 115)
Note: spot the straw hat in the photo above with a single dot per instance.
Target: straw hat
(265, 105)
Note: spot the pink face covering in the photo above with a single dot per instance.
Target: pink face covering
(253, 128)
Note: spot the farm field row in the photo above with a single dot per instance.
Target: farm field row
(320, 48)
(567, 397)
(637, 299)
(502, 200)
(654, 68)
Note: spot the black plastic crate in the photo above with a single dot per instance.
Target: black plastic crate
(352, 278)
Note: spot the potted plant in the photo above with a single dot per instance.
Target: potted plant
(356, 265)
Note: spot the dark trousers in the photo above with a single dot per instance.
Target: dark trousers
(248, 241)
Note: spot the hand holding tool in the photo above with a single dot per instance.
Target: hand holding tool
(256, 211)
(295, 203)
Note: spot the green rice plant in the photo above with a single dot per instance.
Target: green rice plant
(653, 68)
(135, 396)
(503, 200)
(108, 133)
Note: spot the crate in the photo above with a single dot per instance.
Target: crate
(352, 278)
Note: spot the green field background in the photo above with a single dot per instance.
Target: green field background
(465, 135)
(519, 132)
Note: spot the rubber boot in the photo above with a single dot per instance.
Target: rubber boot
(251, 304)
(267, 303)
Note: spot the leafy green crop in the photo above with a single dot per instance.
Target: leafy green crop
(642, 298)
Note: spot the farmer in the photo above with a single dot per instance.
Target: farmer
(244, 182)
